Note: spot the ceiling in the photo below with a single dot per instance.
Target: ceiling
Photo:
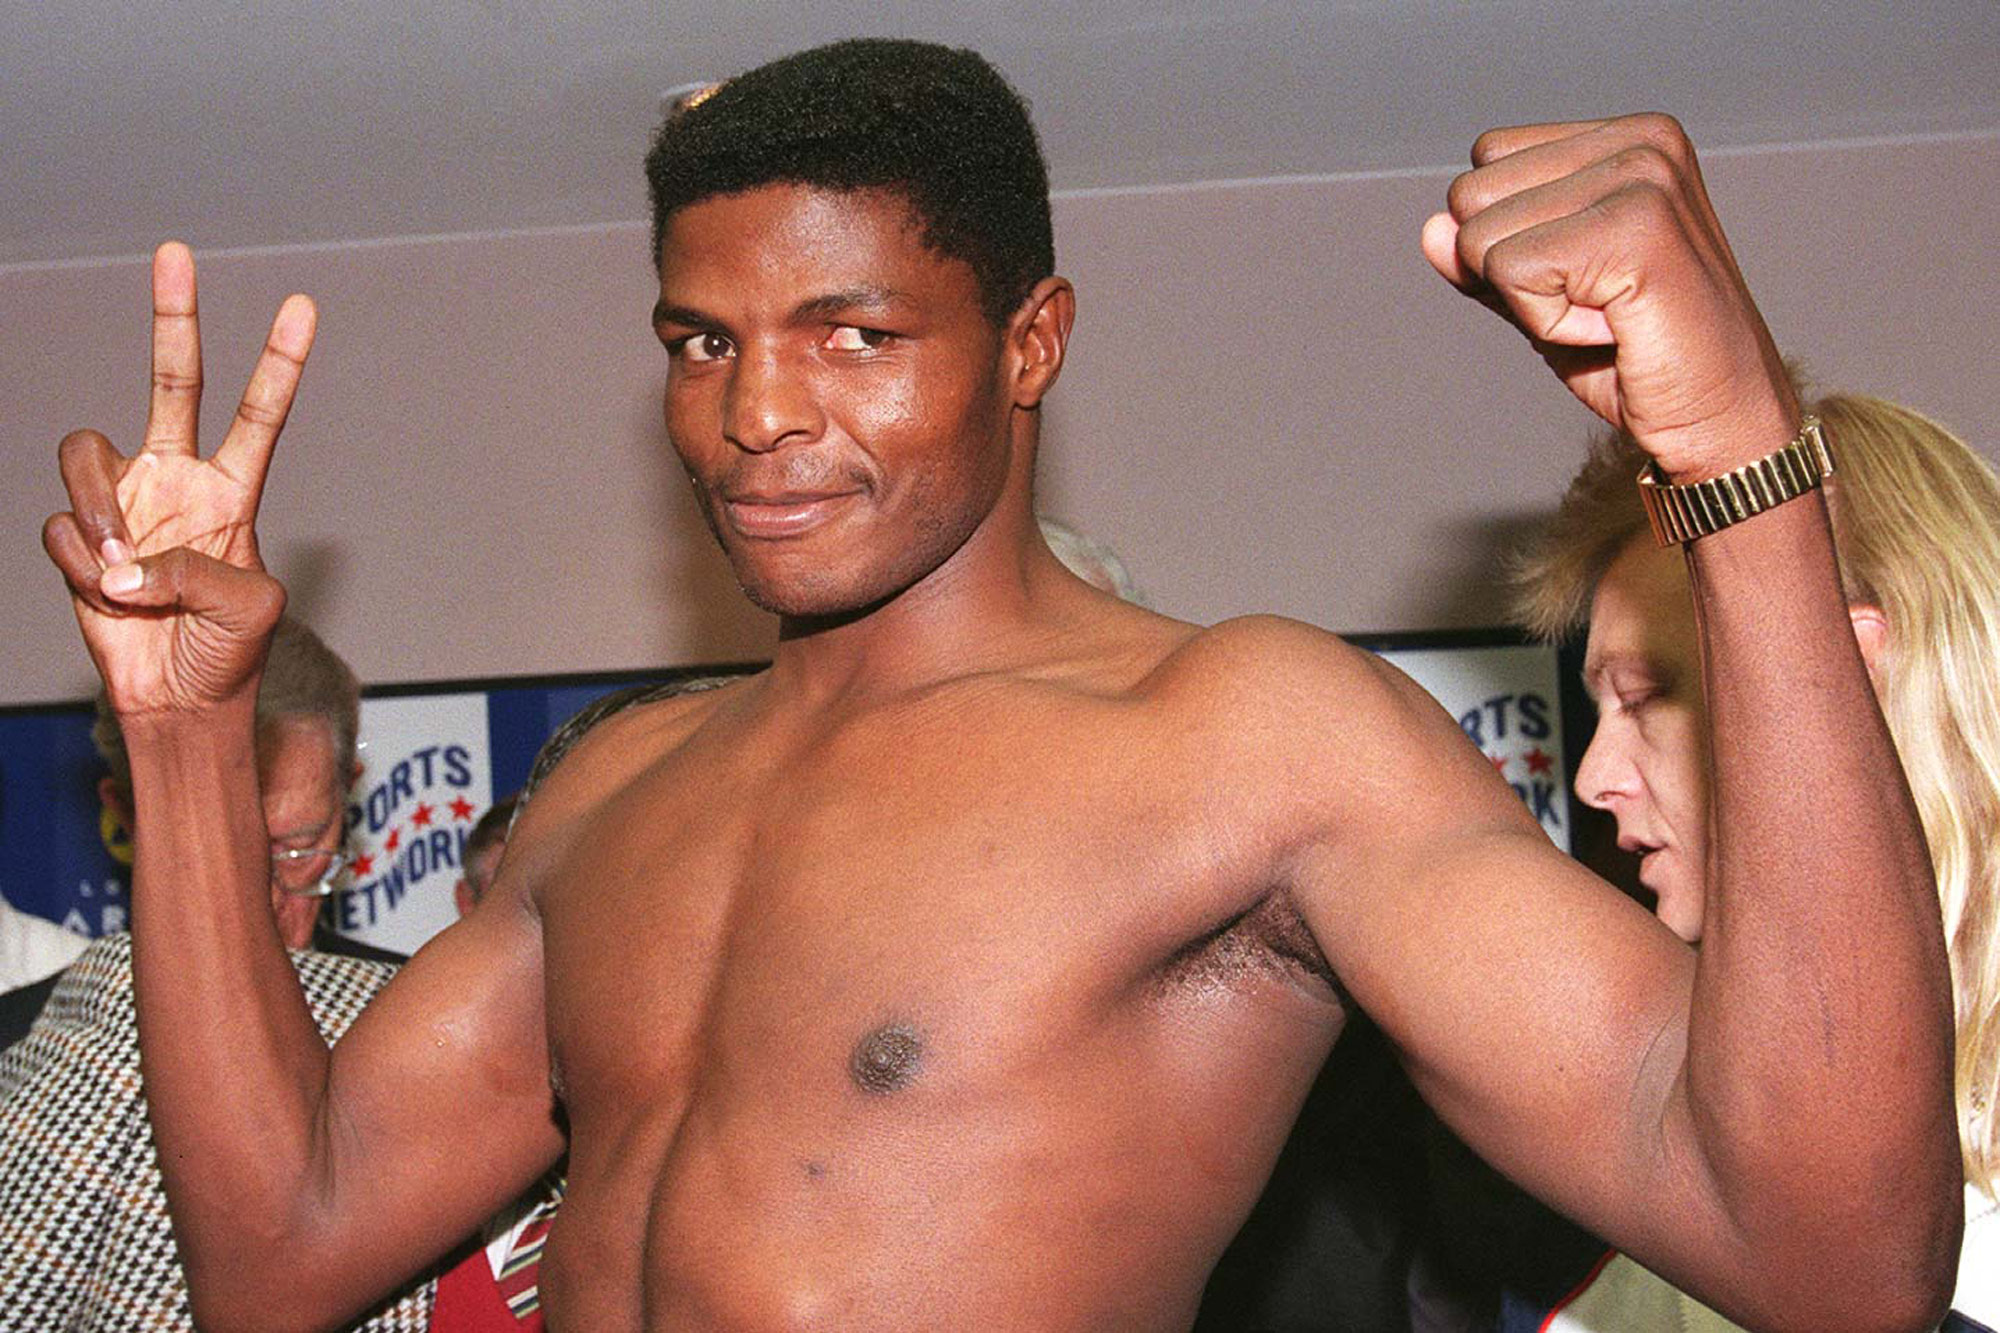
(243, 123)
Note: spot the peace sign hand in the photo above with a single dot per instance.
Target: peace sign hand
(160, 550)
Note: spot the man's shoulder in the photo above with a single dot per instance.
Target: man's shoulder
(103, 971)
(613, 722)
(32, 947)
(1174, 672)
(20, 1007)
(1299, 710)
(361, 969)
(1266, 663)
(339, 986)
(595, 755)
(1278, 641)
(85, 1026)
(325, 939)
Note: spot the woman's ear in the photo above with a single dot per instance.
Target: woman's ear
(1871, 632)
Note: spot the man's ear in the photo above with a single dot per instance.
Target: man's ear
(1871, 632)
(1037, 338)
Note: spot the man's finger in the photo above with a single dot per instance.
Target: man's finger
(1510, 139)
(1560, 279)
(73, 555)
(1440, 242)
(175, 406)
(1652, 147)
(1591, 193)
(1441, 247)
(90, 472)
(246, 450)
(246, 601)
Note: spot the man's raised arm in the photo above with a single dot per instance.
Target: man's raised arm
(269, 1147)
(1815, 1092)
(1769, 1123)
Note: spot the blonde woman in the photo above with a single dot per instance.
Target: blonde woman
(1917, 524)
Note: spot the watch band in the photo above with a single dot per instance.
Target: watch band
(1682, 513)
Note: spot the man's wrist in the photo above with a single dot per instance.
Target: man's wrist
(177, 741)
(1681, 513)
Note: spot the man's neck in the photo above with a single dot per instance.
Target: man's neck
(997, 602)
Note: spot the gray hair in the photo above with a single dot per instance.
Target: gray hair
(1090, 560)
(491, 831)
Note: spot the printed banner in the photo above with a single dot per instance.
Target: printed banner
(61, 856)
(1507, 699)
(426, 776)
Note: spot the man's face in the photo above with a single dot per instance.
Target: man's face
(299, 771)
(1648, 763)
(834, 391)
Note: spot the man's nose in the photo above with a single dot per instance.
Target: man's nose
(1605, 775)
(769, 404)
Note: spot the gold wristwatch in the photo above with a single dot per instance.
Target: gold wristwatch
(1682, 513)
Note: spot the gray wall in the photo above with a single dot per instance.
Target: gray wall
(1272, 404)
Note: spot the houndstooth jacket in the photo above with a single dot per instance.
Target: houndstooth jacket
(85, 1244)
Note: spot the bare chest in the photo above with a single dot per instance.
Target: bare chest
(977, 884)
(889, 990)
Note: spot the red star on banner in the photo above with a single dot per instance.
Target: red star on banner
(1538, 762)
(1499, 762)
(421, 816)
(389, 843)
(364, 866)
(461, 808)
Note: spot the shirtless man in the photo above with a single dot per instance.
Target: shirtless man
(966, 968)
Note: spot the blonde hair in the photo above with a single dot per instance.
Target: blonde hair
(1916, 517)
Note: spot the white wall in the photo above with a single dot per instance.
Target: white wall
(1272, 404)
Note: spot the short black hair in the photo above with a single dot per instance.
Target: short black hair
(937, 125)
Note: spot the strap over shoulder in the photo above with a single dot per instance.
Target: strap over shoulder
(569, 733)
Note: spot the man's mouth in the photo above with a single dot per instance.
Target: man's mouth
(772, 515)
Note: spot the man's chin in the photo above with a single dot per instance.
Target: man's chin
(810, 604)
(827, 585)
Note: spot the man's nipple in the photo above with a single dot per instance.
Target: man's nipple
(887, 1058)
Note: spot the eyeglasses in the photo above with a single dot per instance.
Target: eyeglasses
(330, 864)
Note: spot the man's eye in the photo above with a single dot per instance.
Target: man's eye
(853, 338)
(698, 347)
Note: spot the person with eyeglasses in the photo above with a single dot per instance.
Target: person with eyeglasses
(85, 1241)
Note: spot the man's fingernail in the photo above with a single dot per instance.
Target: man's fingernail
(120, 579)
(117, 552)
